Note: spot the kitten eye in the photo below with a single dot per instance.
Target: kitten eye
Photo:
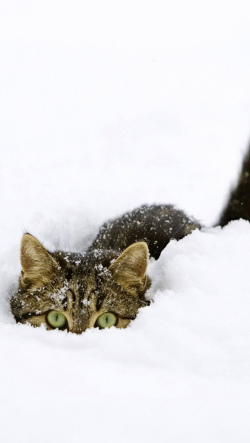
(56, 319)
(106, 320)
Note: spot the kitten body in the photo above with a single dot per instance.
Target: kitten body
(106, 285)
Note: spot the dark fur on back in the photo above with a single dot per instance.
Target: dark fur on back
(238, 204)
(156, 225)
(110, 280)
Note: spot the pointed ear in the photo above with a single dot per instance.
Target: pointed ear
(129, 269)
(38, 266)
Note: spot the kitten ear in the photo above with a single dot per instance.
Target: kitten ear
(129, 269)
(38, 266)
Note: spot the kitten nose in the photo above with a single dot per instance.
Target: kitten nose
(79, 325)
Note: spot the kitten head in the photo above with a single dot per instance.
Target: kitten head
(73, 291)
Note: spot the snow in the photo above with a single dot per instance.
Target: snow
(104, 107)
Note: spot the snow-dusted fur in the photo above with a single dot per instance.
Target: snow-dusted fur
(105, 106)
(238, 204)
(111, 277)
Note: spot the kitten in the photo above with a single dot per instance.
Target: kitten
(106, 286)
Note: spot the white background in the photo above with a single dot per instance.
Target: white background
(105, 106)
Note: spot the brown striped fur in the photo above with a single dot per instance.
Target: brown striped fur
(112, 275)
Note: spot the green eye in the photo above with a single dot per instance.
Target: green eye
(56, 319)
(106, 320)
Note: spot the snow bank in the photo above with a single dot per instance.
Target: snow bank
(105, 106)
(180, 372)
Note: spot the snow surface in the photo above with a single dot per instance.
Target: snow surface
(105, 106)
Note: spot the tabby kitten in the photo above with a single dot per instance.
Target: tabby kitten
(106, 285)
